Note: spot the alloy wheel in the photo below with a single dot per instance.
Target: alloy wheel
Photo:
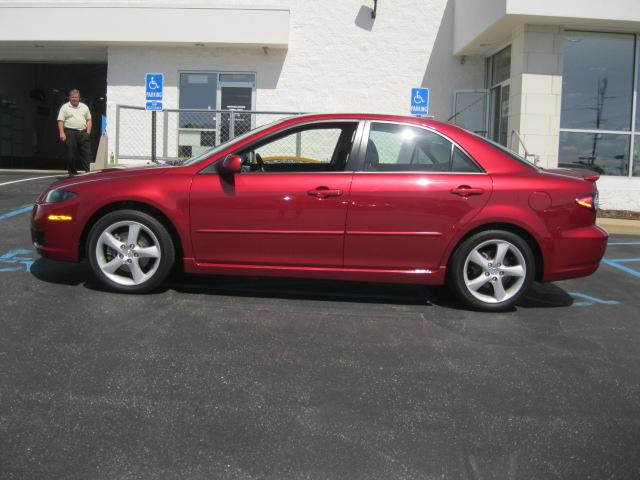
(128, 253)
(494, 271)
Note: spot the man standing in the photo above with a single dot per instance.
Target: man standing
(74, 127)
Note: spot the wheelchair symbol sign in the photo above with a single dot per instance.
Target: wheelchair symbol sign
(153, 86)
(419, 101)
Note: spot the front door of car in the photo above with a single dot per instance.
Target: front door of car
(414, 189)
(287, 207)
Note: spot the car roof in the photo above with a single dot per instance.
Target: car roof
(369, 116)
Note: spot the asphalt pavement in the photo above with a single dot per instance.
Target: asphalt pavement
(253, 378)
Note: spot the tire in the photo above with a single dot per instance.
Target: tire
(491, 270)
(136, 266)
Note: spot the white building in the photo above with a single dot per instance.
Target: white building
(556, 79)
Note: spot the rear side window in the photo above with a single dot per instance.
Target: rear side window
(403, 148)
(462, 163)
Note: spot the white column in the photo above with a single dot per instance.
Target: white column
(536, 91)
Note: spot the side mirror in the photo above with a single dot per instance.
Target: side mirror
(230, 164)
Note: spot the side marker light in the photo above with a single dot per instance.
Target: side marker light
(60, 218)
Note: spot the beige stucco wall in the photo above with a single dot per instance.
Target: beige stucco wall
(338, 60)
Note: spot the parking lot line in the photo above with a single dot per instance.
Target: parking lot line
(615, 244)
(13, 213)
(616, 263)
(590, 300)
(27, 179)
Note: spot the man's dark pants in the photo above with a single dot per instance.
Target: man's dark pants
(78, 150)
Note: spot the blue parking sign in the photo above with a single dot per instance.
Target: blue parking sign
(153, 105)
(153, 86)
(419, 101)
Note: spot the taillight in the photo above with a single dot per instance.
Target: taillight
(590, 202)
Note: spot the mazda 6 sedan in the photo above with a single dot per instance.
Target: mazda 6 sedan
(371, 198)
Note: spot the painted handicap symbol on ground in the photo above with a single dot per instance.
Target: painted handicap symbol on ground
(16, 261)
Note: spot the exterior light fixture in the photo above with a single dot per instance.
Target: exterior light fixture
(375, 7)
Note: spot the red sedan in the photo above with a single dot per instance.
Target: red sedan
(348, 197)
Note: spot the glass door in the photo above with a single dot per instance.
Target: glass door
(500, 113)
(236, 95)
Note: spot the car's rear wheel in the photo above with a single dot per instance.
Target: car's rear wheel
(130, 251)
(491, 270)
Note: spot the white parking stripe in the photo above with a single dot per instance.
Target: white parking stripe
(27, 179)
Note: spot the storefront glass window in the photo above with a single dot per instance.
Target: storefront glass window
(499, 74)
(637, 85)
(636, 157)
(501, 66)
(597, 86)
(607, 154)
(198, 91)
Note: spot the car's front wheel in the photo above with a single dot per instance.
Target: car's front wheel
(130, 251)
(491, 270)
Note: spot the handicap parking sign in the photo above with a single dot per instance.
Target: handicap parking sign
(153, 90)
(419, 101)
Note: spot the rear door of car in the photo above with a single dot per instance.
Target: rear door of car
(290, 213)
(412, 190)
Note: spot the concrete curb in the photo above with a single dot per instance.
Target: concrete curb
(619, 226)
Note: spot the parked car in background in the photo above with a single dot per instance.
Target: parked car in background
(370, 198)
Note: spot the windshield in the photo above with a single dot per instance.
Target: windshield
(222, 146)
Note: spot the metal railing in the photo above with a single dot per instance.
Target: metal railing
(527, 155)
(175, 134)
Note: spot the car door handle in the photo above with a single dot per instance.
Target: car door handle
(324, 192)
(466, 191)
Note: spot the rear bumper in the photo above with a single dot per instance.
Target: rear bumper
(575, 253)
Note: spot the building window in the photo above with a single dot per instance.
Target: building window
(205, 101)
(597, 116)
(499, 84)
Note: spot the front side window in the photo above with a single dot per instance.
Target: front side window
(402, 148)
(312, 148)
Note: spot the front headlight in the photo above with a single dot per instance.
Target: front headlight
(58, 195)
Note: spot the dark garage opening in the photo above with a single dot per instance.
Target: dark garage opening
(30, 96)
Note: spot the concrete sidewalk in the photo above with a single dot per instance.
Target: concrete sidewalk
(620, 226)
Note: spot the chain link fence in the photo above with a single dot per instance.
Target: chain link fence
(181, 133)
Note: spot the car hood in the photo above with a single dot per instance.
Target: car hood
(111, 174)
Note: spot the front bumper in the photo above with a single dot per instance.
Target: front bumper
(57, 240)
